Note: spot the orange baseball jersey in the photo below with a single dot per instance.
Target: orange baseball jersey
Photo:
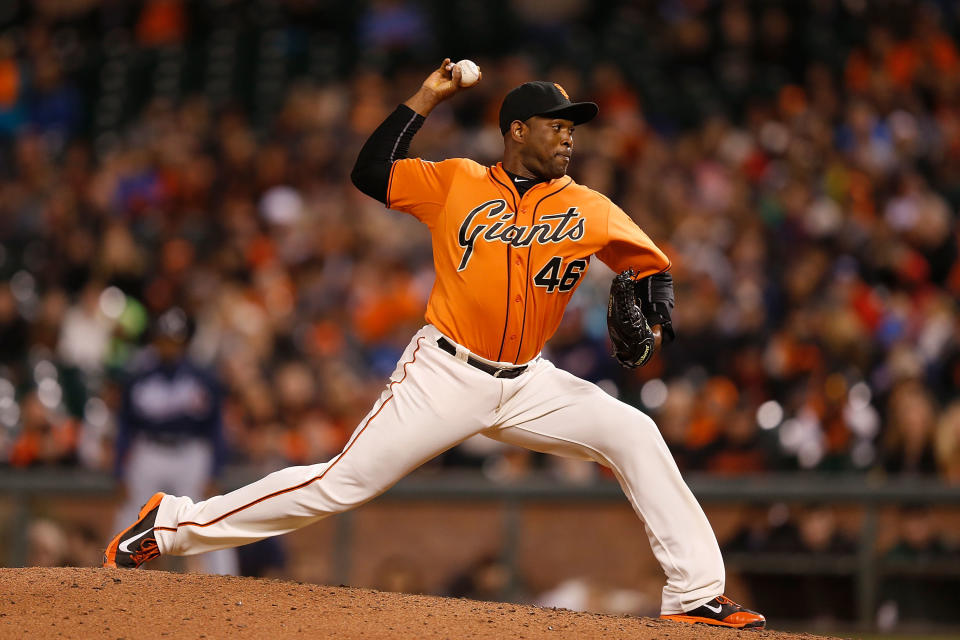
(506, 266)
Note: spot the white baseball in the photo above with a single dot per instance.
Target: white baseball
(469, 73)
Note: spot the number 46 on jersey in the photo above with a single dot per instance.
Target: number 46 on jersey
(555, 277)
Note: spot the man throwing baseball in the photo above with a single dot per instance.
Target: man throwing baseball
(511, 243)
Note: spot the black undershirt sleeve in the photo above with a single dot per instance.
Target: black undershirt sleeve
(656, 299)
(389, 142)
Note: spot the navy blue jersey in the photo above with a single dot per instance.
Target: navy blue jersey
(169, 402)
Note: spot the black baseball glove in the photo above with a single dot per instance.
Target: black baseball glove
(630, 333)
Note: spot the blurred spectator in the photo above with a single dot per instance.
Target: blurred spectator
(56, 544)
(170, 431)
(13, 328)
(84, 545)
(393, 25)
(85, 331)
(907, 595)
(54, 103)
(46, 544)
(766, 530)
(908, 445)
(510, 466)
(46, 436)
(161, 22)
(809, 537)
(398, 574)
(11, 88)
(948, 444)
(584, 594)
(486, 578)
(264, 559)
(830, 595)
(738, 450)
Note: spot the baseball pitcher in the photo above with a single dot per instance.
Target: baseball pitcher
(511, 244)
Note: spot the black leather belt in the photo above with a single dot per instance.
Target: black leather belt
(496, 372)
(166, 438)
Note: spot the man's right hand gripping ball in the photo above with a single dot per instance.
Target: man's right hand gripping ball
(633, 340)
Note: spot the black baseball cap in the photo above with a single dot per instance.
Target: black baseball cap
(543, 99)
(173, 325)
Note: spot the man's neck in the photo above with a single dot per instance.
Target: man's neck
(522, 183)
(515, 167)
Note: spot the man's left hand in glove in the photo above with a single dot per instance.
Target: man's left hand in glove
(634, 305)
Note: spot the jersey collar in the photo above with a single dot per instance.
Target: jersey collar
(500, 175)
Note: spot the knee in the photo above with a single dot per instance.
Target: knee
(637, 430)
(343, 497)
(346, 490)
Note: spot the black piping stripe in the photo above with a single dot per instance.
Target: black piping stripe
(396, 144)
(513, 194)
(506, 318)
(526, 284)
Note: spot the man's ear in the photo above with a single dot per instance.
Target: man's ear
(516, 130)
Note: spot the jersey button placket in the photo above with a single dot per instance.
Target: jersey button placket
(518, 261)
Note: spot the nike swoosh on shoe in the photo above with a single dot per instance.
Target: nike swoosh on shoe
(125, 545)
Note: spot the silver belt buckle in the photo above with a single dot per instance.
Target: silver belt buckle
(496, 374)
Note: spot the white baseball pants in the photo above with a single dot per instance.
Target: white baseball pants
(435, 400)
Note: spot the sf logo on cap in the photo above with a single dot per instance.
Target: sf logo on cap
(561, 90)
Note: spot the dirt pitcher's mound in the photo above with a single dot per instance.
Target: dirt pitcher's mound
(113, 604)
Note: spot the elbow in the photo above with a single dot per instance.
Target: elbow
(666, 262)
(370, 180)
(355, 176)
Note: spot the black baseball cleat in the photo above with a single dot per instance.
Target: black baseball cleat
(721, 612)
(136, 544)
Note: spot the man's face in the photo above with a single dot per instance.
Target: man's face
(168, 348)
(548, 145)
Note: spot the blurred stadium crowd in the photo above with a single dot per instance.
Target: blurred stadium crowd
(799, 161)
